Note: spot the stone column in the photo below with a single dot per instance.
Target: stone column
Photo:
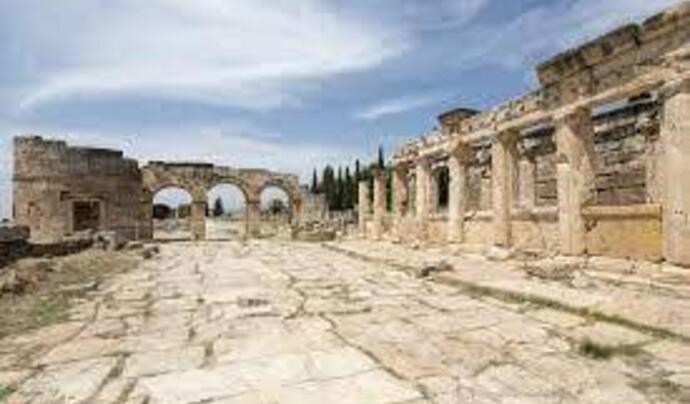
(527, 187)
(432, 197)
(145, 231)
(379, 202)
(198, 219)
(503, 170)
(253, 218)
(675, 139)
(400, 194)
(575, 177)
(457, 196)
(363, 207)
(423, 175)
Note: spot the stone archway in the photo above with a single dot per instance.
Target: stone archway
(199, 178)
(231, 222)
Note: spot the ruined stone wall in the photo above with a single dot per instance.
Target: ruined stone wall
(626, 140)
(594, 161)
(479, 177)
(56, 186)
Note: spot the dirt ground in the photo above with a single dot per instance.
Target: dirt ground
(38, 292)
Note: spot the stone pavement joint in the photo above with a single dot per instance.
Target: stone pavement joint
(285, 322)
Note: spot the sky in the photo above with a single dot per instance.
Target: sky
(287, 85)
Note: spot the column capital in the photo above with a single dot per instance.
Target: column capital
(400, 166)
(569, 114)
(378, 171)
(423, 161)
(459, 148)
(507, 137)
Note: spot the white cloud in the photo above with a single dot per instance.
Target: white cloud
(548, 29)
(245, 53)
(398, 106)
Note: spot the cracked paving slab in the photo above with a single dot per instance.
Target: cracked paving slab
(280, 322)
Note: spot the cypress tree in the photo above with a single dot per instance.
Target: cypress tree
(381, 161)
(314, 182)
(348, 197)
(339, 190)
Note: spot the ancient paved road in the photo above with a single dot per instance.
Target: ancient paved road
(277, 322)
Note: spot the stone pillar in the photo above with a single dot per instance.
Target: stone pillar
(503, 170)
(145, 230)
(363, 207)
(433, 189)
(423, 175)
(198, 220)
(253, 218)
(379, 203)
(675, 139)
(457, 196)
(575, 177)
(527, 184)
(400, 195)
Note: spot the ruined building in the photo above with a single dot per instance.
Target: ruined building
(595, 161)
(61, 190)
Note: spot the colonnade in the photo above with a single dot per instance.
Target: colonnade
(574, 138)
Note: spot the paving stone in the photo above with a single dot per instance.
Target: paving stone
(194, 386)
(296, 323)
(159, 362)
(66, 383)
(608, 334)
(80, 349)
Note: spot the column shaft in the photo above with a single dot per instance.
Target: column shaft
(575, 144)
(253, 218)
(422, 193)
(363, 207)
(198, 220)
(399, 191)
(675, 138)
(527, 188)
(503, 163)
(379, 203)
(457, 198)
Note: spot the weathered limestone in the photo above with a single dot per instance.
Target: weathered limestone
(253, 214)
(457, 194)
(198, 219)
(433, 190)
(270, 322)
(59, 190)
(503, 170)
(527, 192)
(423, 170)
(592, 169)
(675, 137)
(363, 206)
(379, 203)
(575, 143)
(400, 196)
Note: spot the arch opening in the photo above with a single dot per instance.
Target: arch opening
(172, 214)
(277, 210)
(226, 212)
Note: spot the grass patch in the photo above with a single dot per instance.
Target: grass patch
(5, 392)
(507, 296)
(594, 350)
(49, 298)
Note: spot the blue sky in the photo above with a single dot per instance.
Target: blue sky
(281, 84)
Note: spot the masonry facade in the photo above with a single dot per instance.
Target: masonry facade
(60, 190)
(596, 161)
